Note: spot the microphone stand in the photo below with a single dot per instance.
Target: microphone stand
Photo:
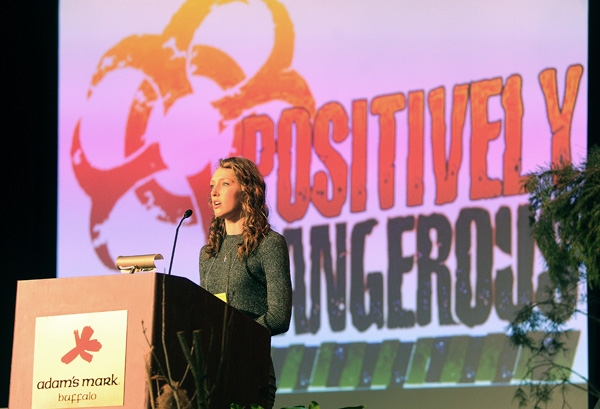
(187, 214)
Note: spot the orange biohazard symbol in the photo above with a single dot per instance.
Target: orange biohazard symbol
(83, 345)
(169, 62)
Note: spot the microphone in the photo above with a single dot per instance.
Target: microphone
(187, 214)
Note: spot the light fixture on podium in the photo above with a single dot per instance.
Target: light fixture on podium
(137, 264)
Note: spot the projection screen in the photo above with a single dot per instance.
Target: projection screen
(393, 137)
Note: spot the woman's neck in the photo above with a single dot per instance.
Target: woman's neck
(234, 228)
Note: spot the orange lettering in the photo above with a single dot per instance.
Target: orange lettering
(560, 118)
(483, 131)
(386, 106)
(446, 169)
(293, 203)
(513, 135)
(251, 126)
(415, 163)
(330, 114)
(358, 167)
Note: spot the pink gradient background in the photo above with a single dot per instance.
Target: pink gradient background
(344, 50)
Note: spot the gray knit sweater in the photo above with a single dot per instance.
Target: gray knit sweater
(259, 286)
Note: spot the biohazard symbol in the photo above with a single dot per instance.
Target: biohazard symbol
(83, 345)
(169, 63)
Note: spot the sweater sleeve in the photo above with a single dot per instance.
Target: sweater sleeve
(275, 260)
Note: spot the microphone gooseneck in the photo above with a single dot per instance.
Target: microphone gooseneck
(187, 214)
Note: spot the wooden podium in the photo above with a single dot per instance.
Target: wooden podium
(127, 314)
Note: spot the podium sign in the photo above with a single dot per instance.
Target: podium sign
(79, 360)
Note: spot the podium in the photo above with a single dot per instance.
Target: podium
(111, 341)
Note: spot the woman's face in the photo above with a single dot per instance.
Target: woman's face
(225, 193)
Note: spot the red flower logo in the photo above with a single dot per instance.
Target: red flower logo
(83, 344)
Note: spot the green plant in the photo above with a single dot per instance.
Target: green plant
(313, 405)
(565, 223)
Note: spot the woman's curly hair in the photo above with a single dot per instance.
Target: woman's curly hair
(254, 208)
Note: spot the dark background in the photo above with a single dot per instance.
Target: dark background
(29, 158)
